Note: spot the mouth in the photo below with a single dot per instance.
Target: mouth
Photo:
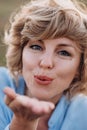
(43, 80)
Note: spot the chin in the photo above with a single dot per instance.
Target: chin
(40, 97)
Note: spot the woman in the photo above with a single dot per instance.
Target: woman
(47, 69)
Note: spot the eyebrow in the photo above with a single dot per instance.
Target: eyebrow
(66, 45)
(41, 41)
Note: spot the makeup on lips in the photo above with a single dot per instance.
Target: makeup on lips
(43, 80)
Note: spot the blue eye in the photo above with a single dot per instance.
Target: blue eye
(36, 47)
(64, 53)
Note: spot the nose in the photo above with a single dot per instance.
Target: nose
(46, 61)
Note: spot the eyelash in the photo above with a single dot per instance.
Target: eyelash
(36, 47)
(39, 48)
(64, 53)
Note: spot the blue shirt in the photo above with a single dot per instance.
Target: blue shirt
(68, 115)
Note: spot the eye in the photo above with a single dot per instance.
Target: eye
(64, 53)
(36, 47)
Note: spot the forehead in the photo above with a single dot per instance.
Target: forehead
(61, 41)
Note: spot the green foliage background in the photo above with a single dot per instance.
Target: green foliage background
(6, 7)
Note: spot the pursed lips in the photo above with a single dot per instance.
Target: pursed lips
(43, 80)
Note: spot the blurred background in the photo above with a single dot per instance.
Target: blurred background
(6, 7)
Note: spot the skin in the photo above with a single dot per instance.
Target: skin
(57, 60)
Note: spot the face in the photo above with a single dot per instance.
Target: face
(49, 66)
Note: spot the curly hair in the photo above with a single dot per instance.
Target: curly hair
(39, 20)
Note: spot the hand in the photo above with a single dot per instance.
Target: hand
(25, 108)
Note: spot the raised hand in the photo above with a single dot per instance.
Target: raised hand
(26, 109)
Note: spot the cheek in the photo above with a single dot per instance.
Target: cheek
(28, 61)
(28, 64)
(67, 71)
(64, 78)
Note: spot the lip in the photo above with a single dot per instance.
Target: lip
(43, 80)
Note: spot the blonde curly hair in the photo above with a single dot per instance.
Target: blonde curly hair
(48, 19)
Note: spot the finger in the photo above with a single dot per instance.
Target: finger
(10, 92)
(10, 95)
(43, 107)
(35, 105)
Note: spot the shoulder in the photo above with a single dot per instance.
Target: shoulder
(79, 103)
(7, 80)
(76, 115)
(4, 76)
(3, 70)
(78, 107)
(4, 80)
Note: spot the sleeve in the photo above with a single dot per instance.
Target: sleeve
(4, 81)
(76, 116)
(7, 128)
(5, 116)
(5, 112)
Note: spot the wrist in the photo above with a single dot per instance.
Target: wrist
(22, 124)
